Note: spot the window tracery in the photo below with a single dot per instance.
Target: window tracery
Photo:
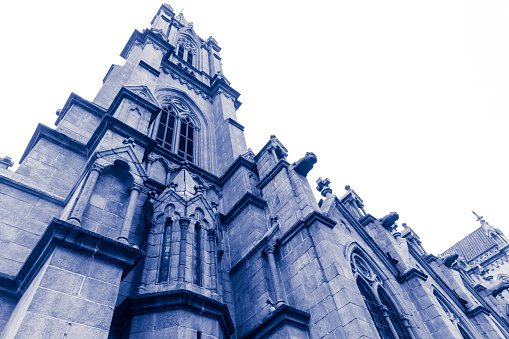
(186, 50)
(177, 129)
(388, 321)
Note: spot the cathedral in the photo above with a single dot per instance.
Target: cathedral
(144, 214)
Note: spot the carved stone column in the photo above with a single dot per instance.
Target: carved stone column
(82, 200)
(385, 313)
(213, 271)
(184, 225)
(143, 277)
(128, 219)
(269, 251)
(408, 327)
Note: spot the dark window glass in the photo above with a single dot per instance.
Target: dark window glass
(180, 51)
(394, 315)
(166, 128)
(190, 57)
(186, 140)
(374, 309)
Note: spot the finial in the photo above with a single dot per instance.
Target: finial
(347, 187)
(323, 186)
(6, 162)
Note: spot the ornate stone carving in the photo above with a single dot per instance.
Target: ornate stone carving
(323, 186)
(305, 164)
(450, 259)
(499, 287)
(183, 41)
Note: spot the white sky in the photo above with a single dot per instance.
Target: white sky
(405, 101)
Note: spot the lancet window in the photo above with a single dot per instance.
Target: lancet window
(177, 131)
(186, 50)
(386, 318)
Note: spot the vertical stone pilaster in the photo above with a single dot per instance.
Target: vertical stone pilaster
(184, 225)
(84, 197)
(212, 237)
(128, 219)
(269, 251)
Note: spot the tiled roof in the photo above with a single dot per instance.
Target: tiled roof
(473, 245)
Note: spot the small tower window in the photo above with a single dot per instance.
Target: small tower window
(186, 50)
(180, 51)
(177, 131)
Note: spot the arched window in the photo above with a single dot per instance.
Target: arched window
(186, 50)
(393, 315)
(374, 310)
(176, 131)
(388, 321)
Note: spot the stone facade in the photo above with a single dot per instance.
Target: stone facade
(143, 214)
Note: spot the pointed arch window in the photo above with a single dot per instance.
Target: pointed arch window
(387, 320)
(186, 50)
(177, 131)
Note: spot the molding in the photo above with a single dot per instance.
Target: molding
(477, 310)
(236, 124)
(75, 99)
(239, 162)
(260, 245)
(308, 221)
(411, 273)
(149, 68)
(430, 258)
(111, 123)
(62, 234)
(273, 172)
(479, 288)
(283, 315)
(367, 219)
(175, 299)
(126, 93)
(58, 138)
(246, 200)
(33, 191)
(141, 38)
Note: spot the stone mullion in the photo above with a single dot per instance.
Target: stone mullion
(128, 218)
(385, 313)
(84, 197)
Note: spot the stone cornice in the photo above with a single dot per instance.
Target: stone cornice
(283, 315)
(176, 72)
(111, 123)
(56, 137)
(413, 272)
(142, 38)
(149, 68)
(32, 190)
(125, 93)
(477, 310)
(240, 161)
(62, 234)
(273, 172)
(235, 123)
(176, 299)
(246, 200)
(306, 222)
(76, 100)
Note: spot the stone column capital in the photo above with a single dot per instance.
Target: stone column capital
(269, 249)
(184, 222)
(96, 167)
(212, 235)
(135, 186)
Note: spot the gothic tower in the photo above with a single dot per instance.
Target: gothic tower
(143, 215)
